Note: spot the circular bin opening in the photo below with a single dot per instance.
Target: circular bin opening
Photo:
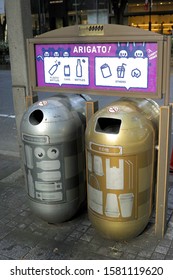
(36, 117)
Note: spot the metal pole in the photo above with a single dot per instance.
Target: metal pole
(19, 22)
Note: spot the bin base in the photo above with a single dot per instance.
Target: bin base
(55, 213)
(118, 230)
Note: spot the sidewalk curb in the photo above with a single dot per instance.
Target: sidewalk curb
(10, 153)
(13, 177)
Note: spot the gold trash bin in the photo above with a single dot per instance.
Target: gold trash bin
(120, 153)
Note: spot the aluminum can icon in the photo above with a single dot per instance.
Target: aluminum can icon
(106, 71)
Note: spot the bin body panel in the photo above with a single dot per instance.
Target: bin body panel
(120, 169)
(52, 135)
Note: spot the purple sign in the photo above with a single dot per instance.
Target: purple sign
(114, 67)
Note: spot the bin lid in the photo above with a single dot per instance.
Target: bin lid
(148, 107)
(51, 116)
(118, 123)
(118, 115)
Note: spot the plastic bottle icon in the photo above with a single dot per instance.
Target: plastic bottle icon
(78, 68)
(54, 68)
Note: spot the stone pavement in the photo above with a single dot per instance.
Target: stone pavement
(24, 236)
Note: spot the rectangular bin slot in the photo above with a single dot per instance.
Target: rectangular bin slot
(108, 125)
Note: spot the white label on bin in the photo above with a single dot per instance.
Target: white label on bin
(48, 186)
(31, 190)
(95, 200)
(53, 196)
(48, 165)
(112, 208)
(29, 157)
(43, 103)
(118, 150)
(49, 176)
(126, 204)
(115, 175)
(35, 139)
(98, 166)
(113, 109)
(89, 162)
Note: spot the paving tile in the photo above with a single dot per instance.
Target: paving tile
(128, 256)
(112, 253)
(45, 250)
(169, 234)
(16, 245)
(6, 168)
(92, 247)
(161, 249)
(4, 230)
(87, 256)
(82, 228)
(133, 249)
(165, 242)
(86, 237)
(75, 235)
(146, 254)
(157, 256)
(170, 251)
(169, 257)
(4, 258)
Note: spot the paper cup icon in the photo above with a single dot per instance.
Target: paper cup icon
(121, 71)
(112, 209)
(126, 204)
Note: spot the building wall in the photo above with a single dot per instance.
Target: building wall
(161, 16)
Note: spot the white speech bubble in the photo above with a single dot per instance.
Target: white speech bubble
(123, 72)
(66, 70)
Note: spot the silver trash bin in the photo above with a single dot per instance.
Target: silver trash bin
(52, 133)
